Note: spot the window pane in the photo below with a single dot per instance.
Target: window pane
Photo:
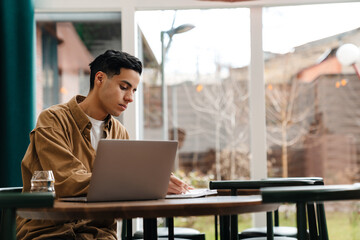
(312, 100)
(66, 44)
(207, 90)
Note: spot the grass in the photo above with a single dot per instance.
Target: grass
(344, 225)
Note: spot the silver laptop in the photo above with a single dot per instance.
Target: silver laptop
(130, 170)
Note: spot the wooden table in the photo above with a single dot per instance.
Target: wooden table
(150, 210)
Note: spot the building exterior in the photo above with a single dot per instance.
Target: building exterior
(319, 144)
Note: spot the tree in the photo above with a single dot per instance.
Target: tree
(290, 111)
(222, 108)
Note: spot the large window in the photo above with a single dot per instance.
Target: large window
(312, 100)
(66, 44)
(205, 103)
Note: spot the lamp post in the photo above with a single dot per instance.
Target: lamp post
(164, 49)
(348, 54)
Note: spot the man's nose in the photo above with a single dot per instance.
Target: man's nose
(129, 97)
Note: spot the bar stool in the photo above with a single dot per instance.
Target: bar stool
(11, 199)
(165, 238)
(275, 238)
(179, 232)
(164, 232)
(278, 231)
(310, 195)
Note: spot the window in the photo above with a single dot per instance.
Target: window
(66, 44)
(312, 100)
(206, 108)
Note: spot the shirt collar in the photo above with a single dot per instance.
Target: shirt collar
(80, 117)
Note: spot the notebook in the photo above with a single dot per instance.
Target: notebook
(130, 170)
(193, 193)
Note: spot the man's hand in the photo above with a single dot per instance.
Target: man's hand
(177, 186)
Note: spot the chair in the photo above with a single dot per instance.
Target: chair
(235, 185)
(164, 232)
(13, 198)
(179, 232)
(303, 196)
(166, 238)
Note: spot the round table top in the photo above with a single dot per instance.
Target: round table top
(211, 205)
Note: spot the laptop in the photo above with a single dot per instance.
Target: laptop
(130, 170)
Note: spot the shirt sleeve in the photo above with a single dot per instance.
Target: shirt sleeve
(55, 152)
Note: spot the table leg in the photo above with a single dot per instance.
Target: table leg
(150, 229)
(216, 227)
(322, 221)
(269, 226)
(312, 221)
(234, 221)
(170, 225)
(301, 220)
(225, 227)
(128, 229)
(276, 217)
(234, 227)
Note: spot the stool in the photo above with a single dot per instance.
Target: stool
(310, 195)
(235, 185)
(179, 232)
(12, 198)
(163, 232)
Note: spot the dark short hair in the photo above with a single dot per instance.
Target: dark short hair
(110, 62)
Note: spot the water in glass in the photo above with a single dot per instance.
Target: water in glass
(42, 181)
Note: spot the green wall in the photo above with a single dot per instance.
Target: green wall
(17, 86)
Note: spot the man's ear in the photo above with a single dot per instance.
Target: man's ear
(99, 77)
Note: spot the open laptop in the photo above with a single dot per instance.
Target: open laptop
(130, 170)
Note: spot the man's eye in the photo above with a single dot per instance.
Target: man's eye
(123, 88)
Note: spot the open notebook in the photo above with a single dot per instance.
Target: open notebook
(194, 193)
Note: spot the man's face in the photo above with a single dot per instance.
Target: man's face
(117, 92)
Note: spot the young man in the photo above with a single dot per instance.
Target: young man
(65, 138)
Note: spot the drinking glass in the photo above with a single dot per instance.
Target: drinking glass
(43, 181)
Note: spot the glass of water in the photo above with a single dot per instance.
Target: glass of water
(43, 181)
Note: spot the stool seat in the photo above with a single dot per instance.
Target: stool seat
(165, 238)
(179, 232)
(262, 231)
(275, 238)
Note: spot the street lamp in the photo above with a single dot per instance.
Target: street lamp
(348, 54)
(164, 49)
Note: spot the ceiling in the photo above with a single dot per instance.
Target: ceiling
(118, 5)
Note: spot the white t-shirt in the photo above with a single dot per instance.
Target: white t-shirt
(97, 131)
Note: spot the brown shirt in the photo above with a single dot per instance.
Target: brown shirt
(61, 142)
